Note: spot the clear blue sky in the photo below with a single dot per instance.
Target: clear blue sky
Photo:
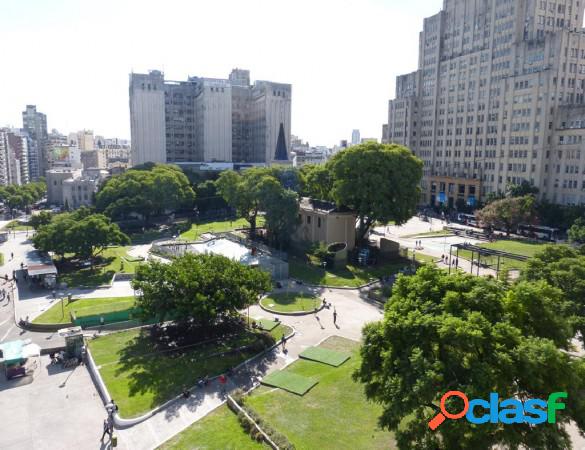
(72, 58)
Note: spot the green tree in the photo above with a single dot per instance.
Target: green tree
(146, 191)
(521, 190)
(198, 288)
(508, 213)
(379, 182)
(442, 333)
(577, 231)
(564, 268)
(38, 220)
(282, 213)
(81, 233)
(317, 181)
(22, 197)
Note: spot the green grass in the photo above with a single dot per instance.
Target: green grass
(218, 227)
(15, 225)
(83, 308)
(333, 415)
(523, 248)
(289, 381)
(101, 273)
(291, 302)
(218, 430)
(348, 276)
(421, 258)
(1, 259)
(325, 356)
(140, 376)
(267, 325)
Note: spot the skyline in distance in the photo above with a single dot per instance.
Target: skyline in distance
(73, 60)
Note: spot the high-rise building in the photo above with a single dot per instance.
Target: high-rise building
(209, 120)
(14, 168)
(35, 125)
(355, 137)
(498, 99)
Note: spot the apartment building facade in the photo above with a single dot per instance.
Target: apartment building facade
(209, 120)
(498, 99)
(34, 123)
(14, 167)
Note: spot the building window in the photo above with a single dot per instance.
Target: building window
(318, 222)
(308, 219)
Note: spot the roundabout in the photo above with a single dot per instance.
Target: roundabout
(291, 304)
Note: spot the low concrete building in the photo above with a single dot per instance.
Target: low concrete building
(322, 221)
(73, 188)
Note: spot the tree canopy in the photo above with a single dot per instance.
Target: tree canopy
(577, 231)
(261, 189)
(199, 288)
(379, 182)
(317, 181)
(22, 197)
(146, 191)
(564, 268)
(442, 333)
(81, 233)
(508, 213)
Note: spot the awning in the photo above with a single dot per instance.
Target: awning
(41, 269)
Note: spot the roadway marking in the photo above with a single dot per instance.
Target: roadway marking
(7, 333)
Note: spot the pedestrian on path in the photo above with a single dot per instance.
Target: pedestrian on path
(107, 429)
(334, 317)
(283, 342)
(222, 383)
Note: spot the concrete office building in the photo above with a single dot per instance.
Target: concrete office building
(209, 120)
(71, 188)
(35, 125)
(14, 167)
(497, 99)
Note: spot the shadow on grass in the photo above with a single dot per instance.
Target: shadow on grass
(162, 363)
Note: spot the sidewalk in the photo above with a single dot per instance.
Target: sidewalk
(311, 329)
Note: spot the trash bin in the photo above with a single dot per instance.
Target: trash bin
(114, 440)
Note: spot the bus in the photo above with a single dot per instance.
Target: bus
(538, 232)
(467, 219)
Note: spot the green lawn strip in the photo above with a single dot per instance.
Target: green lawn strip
(218, 227)
(218, 430)
(15, 225)
(140, 376)
(334, 414)
(528, 249)
(325, 356)
(1, 259)
(267, 325)
(290, 302)
(113, 262)
(421, 258)
(85, 307)
(348, 276)
(289, 381)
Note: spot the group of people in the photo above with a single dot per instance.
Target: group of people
(418, 245)
(453, 262)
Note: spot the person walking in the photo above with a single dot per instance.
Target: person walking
(283, 342)
(334, 316)
(222, 383)
(107, 430)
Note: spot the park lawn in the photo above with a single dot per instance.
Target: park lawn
(332, 415)
(1, 259)
(439, 233)
(218, 227)
(112, 262)
(140, 377)
(84, 307)
(15, 225)
(290, 302)
(218, 430)
(349, 276)
(421, 258)
(524, 248)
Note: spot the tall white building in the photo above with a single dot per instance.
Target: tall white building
(34, 123)
(497, 99)
(355, 137)
(209, 120)
(14, 168)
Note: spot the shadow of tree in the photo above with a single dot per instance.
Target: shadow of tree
(157, 366)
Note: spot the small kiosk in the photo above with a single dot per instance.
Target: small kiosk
(73, 341)
(15, 358)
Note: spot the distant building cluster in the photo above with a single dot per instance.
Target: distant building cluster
(208, 120)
